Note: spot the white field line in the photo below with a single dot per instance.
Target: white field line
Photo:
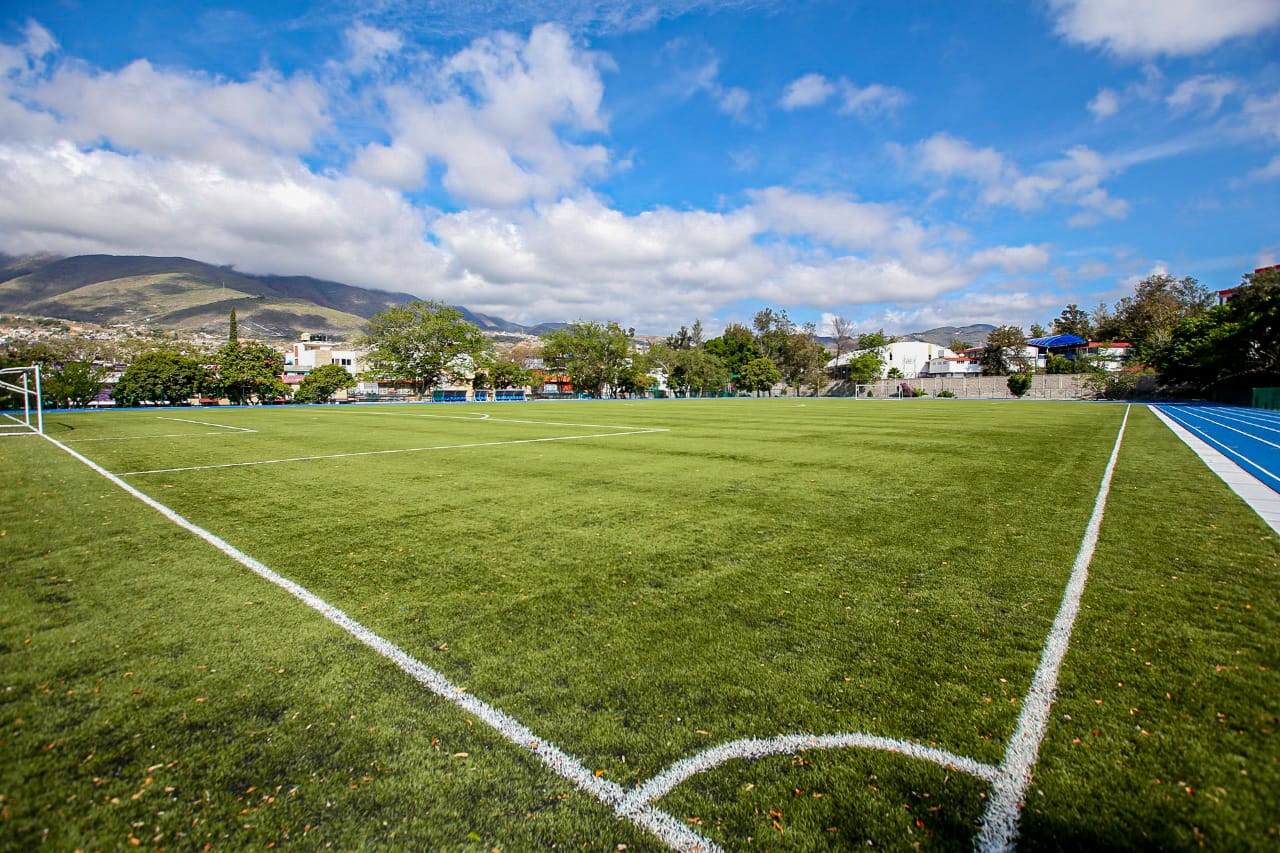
(145, 437)
(667, 828)
(753, 748)
(384, 452)
(1000, 822)
(205, 423)
(1214, 443)
(1226, 424)
(508, 421)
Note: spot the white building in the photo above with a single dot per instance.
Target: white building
(911, 358)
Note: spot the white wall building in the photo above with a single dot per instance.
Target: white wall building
(911, 358)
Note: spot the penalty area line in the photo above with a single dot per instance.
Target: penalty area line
(664, 826)
(384, 452)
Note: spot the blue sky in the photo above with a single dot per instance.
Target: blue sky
(900, 164)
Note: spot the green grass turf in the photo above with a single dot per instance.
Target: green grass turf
(762, 567)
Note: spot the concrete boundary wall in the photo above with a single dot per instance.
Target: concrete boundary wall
(1063, 386)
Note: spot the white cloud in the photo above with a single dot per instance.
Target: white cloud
(1269, 172)
(1144, 28)
(370, 48)
(1205, 91)
(812, 90)
(1105, 104)
(1073, 180)
(1012, 260)
(871, 100)
(497, 121)
(807, 91)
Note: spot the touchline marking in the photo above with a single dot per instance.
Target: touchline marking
(664, 826)
(754, 748)
(1000, 822)
(204, 423)
(384, 452)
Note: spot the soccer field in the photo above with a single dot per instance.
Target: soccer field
(737, 624)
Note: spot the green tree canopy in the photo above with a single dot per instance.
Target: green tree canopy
(758, 375)
(735, 348)
(507, 373)
(698, 371)
(1147, 318)
(320, 384)
(248, 372)
(1230, 346)
(1003, 353)
(1074, 320)
(160, 376)
(427, 343)
(1019, 383)
(593, 355)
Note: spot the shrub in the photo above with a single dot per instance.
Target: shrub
(944, 393)
(1019, 384)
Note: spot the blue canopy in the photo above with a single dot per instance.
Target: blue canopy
(1054, 341)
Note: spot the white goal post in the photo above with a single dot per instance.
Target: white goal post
(21, 412)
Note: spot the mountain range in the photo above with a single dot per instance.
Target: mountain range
(179, 294)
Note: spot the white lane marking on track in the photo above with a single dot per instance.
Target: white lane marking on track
(204, 423)
(1000, 822)
(385, 452)
(753, 748)
(667, 828)
(1204, 417)
(1214, 443)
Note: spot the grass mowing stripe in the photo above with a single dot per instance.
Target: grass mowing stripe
(1000, 823)
(384, 452)
(486, 417)
(667, 828)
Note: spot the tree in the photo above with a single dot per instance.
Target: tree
(841, 334)
(593, 355)
(233, 328)
(803, 359)
(319, 385)
(1019, 383)
(1038, 331)
(72, 384)
(427, 343)
(758, 375)
(1147, 319)
(637, 377)
(507, 373)
(957, 345)
(160, 376)
(248, 372)
(698, 371)
(735, 348)
(1232, 346)
(1004, 352)
(865, 366)
(1073, 320)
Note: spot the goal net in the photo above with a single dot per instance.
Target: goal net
(20, 408)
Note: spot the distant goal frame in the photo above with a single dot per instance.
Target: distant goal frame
(28, 417)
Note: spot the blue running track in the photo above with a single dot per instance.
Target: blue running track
(1248, 437)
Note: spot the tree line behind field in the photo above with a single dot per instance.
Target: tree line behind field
(1177, 335)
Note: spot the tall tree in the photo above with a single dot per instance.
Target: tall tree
(233, 328)
(1073, 320)
(698, 371)
(1004, 352)
(1147, 318)
(1232, 346)
(758, 375)
(160, 376)
(427, 343)
(593, 355)
(73, 384)
(735, 348)
(841, 334)
(248, 372)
